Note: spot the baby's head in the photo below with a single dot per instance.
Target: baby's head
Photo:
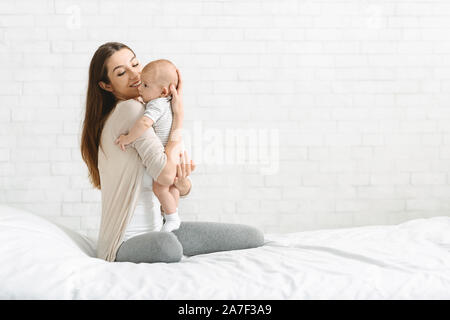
(156, 78)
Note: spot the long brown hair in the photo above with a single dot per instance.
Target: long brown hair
(99, 104)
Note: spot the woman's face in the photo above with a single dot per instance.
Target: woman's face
(124, 73)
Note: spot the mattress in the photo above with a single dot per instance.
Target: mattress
(411, 260)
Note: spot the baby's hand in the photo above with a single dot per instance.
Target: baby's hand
(140, 99)
(122, 141)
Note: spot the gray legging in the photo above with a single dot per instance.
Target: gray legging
(190, 239)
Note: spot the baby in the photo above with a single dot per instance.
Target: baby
(156, 78)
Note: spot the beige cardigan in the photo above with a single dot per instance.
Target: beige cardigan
(121, 174)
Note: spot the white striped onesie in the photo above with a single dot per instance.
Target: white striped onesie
(160, 111)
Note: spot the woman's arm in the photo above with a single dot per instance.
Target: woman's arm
(173, 146)
(173, 149)
(138, 129)
(148, 146)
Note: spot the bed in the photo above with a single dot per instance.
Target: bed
(411, 260)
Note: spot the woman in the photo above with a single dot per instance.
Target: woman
(124, 178)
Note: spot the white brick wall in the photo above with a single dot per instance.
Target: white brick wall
(347, 104)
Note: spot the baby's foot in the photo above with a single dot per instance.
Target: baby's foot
(172, 222)
(170, 226)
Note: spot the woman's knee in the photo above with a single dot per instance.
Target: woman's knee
(151, 247)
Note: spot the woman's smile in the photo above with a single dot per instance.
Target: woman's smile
(136, 84)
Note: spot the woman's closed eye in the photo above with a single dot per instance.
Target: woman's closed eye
(123, 72)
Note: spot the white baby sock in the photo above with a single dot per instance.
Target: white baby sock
(172, 222)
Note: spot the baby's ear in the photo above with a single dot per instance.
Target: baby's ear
(164, 92)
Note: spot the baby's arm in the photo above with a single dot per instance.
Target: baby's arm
(138, 129)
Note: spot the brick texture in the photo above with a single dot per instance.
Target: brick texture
(300, 114)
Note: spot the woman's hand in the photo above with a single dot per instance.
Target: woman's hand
(177, 96)
(184, 169)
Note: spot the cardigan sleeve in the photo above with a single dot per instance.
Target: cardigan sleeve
(151, 152)
(148, 146)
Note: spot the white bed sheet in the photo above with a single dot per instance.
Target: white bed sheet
(39, 260)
